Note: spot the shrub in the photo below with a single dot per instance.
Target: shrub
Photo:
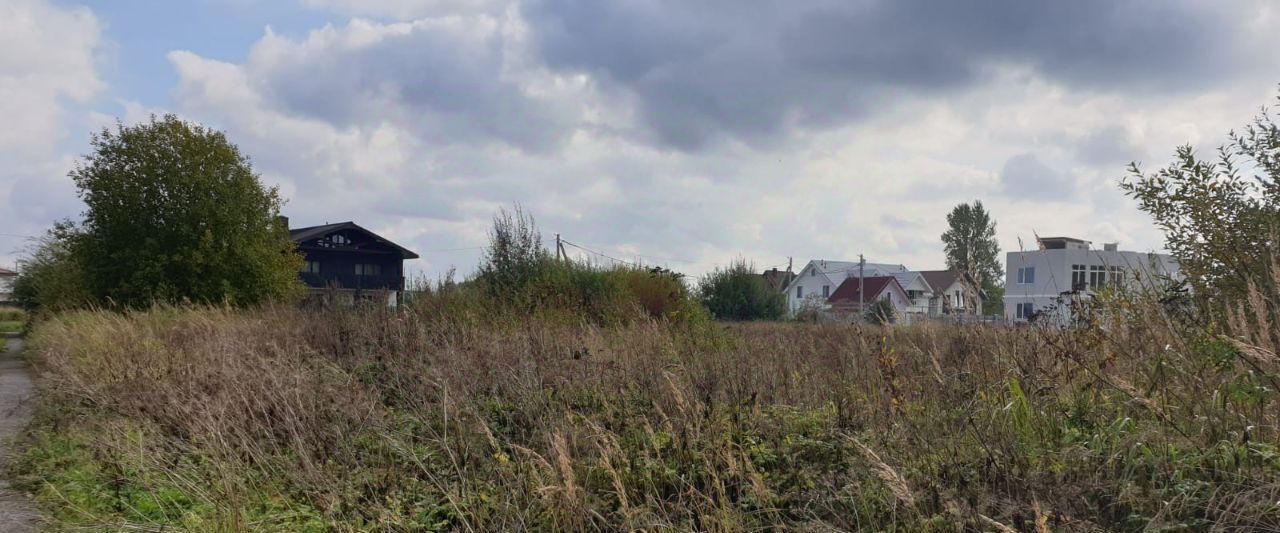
(518, 275)
(1220, 222)
(880, 312)
(515, 256)
(51, 276)
(738, 292)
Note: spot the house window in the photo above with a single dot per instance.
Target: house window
(813, 271)
(957, 295)
(1026, 275)
(1025, 310)
(1117, 276)
(368, 270)
(311, 267)
(826, 291)
(1078, 278)
(799, 291)
(338, 239)
(1097, 276)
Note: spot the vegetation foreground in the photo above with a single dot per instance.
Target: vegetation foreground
(282, 418)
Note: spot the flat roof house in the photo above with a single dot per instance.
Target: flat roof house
(1041, 281)
(346, 262)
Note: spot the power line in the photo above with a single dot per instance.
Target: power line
(646, 256)
(601, 254)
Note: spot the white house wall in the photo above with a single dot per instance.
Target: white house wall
(1053, 273)
(914, 281)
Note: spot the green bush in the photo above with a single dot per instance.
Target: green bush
(880, 312)
(52, 277)
(738, 292)
(518, 275)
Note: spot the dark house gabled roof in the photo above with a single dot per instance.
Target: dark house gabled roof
(301, 235)
(940, 279)
(847, 292)
(778, 279)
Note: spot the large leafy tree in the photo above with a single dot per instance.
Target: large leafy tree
(971, 247)
(176, 213)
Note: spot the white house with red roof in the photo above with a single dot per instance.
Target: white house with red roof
(819, 279)
(854, 296)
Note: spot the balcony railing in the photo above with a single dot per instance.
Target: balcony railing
(352, 281)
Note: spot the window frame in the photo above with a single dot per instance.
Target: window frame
(1097, 276)
(1079, 278)
(1026, 275)
(1024, 310)
(368, 270)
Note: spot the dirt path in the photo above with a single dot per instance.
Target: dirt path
(16, 512)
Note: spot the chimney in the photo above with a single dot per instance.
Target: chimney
(283, 220)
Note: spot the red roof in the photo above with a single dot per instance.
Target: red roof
(847, 292)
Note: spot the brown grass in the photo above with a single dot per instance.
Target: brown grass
(368, 419)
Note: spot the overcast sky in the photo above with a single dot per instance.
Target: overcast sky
(677, 132)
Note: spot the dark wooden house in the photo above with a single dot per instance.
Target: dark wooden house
(348, 263)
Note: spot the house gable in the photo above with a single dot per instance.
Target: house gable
(346, 236)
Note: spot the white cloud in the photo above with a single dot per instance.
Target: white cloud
(46, 57)
(422, 129)
(407, 9)
(47, 72)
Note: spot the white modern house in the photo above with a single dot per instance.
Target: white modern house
(1040, 281)
(819, 279)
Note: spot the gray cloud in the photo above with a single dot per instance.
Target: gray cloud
(1112, 147)
(444, 79)
(1024, 176)
(700, 131)
(750, 70)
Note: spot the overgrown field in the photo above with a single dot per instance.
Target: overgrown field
(286, 419)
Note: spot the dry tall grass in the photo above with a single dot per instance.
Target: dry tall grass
(212, 419)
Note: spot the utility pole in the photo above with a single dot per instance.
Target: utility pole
(862, 263)
(560, 253)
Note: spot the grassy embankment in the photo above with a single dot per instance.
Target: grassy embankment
(284, 419)
(11, 320)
